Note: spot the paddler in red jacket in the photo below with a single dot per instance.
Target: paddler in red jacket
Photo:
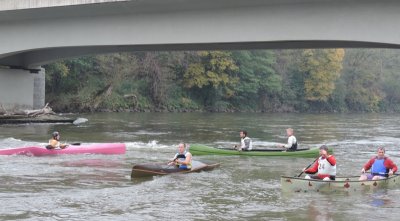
(380, 165)
(324, 168)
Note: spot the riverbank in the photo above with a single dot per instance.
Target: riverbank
(21, 119)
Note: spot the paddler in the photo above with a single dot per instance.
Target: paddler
(380, 165)
(324, 168)
(182, 159)
(292, 141)
(54, 142)
(245, 142)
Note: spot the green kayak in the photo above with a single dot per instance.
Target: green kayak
(199, 149)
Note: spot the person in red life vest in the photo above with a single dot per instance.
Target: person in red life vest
(380, 165)
(324, 168)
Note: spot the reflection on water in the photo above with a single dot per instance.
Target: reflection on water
(319, 210)
(99, 187)
(381, 198)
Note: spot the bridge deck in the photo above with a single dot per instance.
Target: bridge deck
(6, 5)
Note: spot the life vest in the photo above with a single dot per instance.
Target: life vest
(294, 146)
(246, 143)
(53, 143)
(325, 168)
(182, 157)
(378, 167)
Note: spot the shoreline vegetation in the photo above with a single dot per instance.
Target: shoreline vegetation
(298, 81)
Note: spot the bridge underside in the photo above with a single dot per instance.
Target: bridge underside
(36, 58)
(42, 35)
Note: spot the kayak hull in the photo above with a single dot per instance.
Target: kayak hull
(103, 148)
(341, 184)
(154, 169)
(199, 149)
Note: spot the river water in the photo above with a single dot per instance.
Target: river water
(99, 187)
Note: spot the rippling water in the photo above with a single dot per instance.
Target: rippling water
(99, 187)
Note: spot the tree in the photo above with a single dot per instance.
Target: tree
(322, 68)
(155, 67)
(213, 73)
(55, 73)
(258, 81)
(112, 69)
(363, 74)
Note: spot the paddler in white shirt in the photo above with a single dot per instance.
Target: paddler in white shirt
(245, 142)
(292, 141)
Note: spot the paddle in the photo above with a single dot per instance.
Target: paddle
(308, 167)
(173, 160)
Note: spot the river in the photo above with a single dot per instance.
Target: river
(99, 187)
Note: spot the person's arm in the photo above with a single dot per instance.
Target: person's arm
(174, 158)
(312, 169)
(172, 161)
(332, 160)
(368, 165)
(390, 165)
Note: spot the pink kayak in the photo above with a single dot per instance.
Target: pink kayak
(103, 148)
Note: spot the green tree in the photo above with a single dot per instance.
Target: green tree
(55, 74)
(363, 76)
(322, 67)
(212, 74)
(258, 84)
(113, 69)
(390, 64)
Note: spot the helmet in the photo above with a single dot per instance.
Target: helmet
(55, 134)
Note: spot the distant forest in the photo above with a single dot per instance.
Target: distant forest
(307, 80)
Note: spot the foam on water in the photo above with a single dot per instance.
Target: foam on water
(153, 144)
(11, 142)
(145, 132)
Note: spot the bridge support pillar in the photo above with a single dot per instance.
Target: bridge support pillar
(20, 89)
(39, 85)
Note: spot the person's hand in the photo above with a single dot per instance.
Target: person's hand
(362, 170)
(304, 169)
(390, 172)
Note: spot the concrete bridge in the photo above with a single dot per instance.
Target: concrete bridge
(33, 33)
